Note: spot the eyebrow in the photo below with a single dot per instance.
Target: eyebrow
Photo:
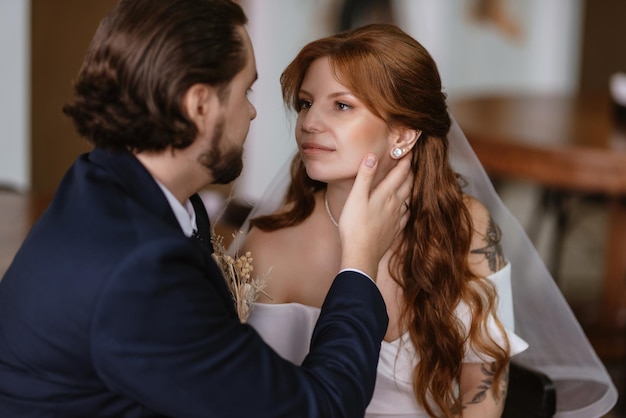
(333, 95)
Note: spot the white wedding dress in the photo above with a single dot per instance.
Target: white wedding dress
(287, 327)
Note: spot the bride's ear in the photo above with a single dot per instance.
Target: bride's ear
(404, 142)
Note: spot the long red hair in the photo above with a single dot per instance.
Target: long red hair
(397, 79)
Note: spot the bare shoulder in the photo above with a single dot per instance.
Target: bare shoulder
(302, 268)
(272, 252)
(486, 255)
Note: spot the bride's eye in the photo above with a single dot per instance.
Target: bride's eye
(343, 106)
(304, 104)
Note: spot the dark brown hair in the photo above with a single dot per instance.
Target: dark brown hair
(143, 58)
(398, 80)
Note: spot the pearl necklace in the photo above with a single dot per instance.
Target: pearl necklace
(330, 215)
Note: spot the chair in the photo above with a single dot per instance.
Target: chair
(531, 394)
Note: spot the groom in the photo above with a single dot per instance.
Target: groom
(112, 307)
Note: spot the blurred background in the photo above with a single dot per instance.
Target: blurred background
(481, 46)
(550, 61)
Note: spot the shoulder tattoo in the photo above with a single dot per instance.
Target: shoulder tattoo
(492, 250)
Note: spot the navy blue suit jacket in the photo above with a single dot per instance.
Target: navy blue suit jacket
(109, 310)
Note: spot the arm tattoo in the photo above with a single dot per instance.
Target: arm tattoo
(492, 249)
(489, 370)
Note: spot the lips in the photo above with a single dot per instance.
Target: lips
(311, 148)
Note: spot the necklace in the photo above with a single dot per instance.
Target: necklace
(330, 215)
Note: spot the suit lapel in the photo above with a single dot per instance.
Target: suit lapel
(204, 237)
(202, 223)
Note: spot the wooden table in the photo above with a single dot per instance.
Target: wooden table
(566, 143)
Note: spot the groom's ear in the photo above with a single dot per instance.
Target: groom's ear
(405, 140)
(199, 103)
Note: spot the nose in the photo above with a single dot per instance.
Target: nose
(310, 120)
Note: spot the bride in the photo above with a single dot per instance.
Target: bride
(446, 281)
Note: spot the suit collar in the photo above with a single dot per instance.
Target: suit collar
(136, 179)
(185, 213)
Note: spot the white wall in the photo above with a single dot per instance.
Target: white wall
(472, 59)
(15, 93)
(479, 58)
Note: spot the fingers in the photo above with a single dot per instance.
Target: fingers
(397, 188)
(365, 175)
(372, 218)
(359, 226)
(400, 178)
(405, 217)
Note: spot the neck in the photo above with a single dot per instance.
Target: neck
(336, 196)
(175, 171)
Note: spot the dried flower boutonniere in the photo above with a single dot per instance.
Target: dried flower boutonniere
(237, 271)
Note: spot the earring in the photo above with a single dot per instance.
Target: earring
(397, 152)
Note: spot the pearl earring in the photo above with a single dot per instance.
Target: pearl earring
(397, 152)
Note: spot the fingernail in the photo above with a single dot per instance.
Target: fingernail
(370, 161)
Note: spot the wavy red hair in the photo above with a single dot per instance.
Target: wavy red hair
(397, 79)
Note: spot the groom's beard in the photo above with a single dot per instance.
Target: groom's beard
(228, 166)
(225, 166)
